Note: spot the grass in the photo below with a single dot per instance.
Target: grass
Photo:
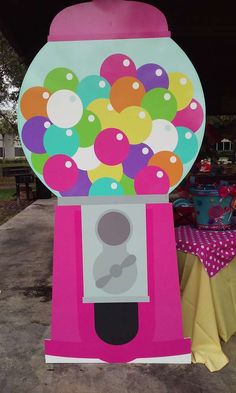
(7, 194)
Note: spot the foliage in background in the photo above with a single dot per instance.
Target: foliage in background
(12, 71)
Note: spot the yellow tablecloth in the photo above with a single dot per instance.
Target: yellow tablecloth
(209, 309)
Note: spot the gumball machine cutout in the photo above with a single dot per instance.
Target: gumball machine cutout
(111, 125)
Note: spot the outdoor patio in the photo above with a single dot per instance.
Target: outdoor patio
(25, 294)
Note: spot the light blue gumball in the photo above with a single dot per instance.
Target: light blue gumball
(106, 186)
(187, 146)
(61, 141)
(91, 88)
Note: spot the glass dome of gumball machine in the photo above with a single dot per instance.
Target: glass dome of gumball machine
(111, 117)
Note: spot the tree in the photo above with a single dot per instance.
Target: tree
(12, 70)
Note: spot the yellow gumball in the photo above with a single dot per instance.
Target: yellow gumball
(182, 88)
(105, 112)
(136, 123)
(115, 172)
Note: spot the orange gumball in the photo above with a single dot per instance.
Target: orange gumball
(34, 102)
(126, 91)
(170, 163)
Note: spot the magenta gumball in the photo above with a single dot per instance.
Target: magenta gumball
(151, 180)
(33, 133)
(60, 172)
(153, 76)
(116, 66)
(138, 157)
(111, 146)
(191, 117)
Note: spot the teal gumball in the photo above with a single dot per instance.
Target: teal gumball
(106, 186)
(61, 141)
(187, 146)
(93, 87)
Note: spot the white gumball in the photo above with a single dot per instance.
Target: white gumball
(164, 136)
(86, 158)
(64, 108)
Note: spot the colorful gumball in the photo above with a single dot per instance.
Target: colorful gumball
(152, 76)
(151, 180)
(182, 88)
(38, 161)
(93, 87)
(64, 108)
(136, 123)
(106, 187)
(125, 92)
(105, 112)
(60, 172)
(33, 133)
(187, 146)
(86, 159)
(117, 66)
(191, 117)
(81, 187)
(61, 78)
(88, 128)
(128, 185)
(138, 157)
(114, 172)
(164, 136)
(170, 163)
(111, 146)
(160, 103)
(34, 102)
(61, 141)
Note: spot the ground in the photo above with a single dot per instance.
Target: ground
(25, 303)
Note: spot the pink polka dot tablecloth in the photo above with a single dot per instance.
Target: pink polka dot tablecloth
(215, 249)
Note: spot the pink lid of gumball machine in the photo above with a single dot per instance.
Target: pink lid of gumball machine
(108, 19)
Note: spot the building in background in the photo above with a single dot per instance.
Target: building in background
(10, 148)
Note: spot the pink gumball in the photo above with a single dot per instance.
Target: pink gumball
(190, 117)
(60, 172)
(116, 66)
(111, 146)
(151, 180)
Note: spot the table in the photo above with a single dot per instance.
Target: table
(209, 308)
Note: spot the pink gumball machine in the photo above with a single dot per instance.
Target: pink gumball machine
(111, 118)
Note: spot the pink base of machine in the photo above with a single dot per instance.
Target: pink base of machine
(160, 334)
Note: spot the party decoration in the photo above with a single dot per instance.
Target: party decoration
(111, 117)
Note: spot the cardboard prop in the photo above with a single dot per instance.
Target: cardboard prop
(111, 118)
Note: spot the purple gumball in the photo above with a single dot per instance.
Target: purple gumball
(81, 188)
(138, 157)
(153, 76)
(33, 133)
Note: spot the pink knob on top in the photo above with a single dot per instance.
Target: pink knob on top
(108, 19)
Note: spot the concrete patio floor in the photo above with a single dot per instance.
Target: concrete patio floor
(25, 301)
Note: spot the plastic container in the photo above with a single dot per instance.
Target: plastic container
(212, 211)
